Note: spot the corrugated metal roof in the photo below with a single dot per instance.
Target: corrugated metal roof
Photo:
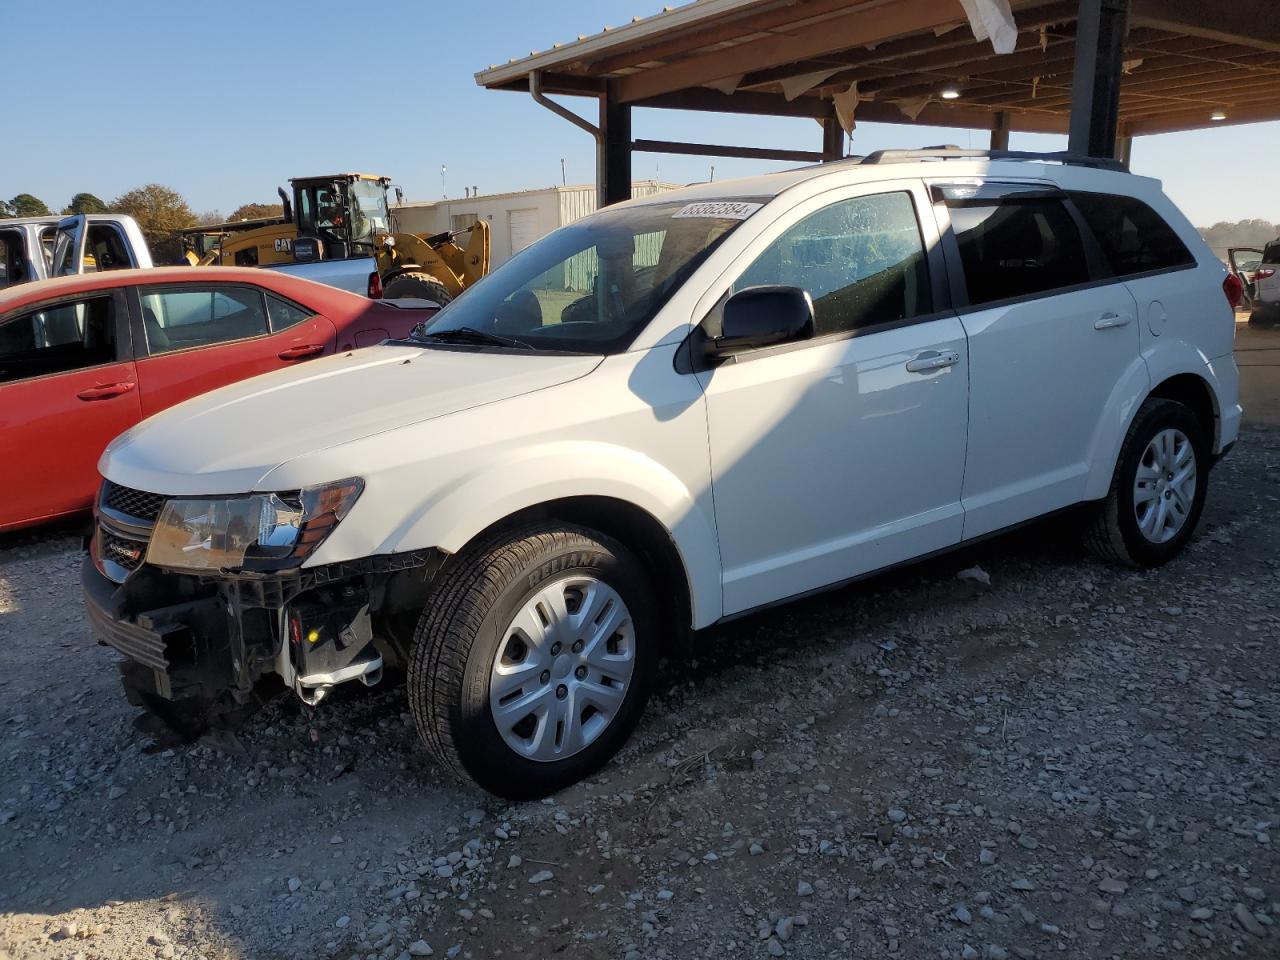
(633, 33)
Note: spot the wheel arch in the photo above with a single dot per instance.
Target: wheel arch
(1193, 391)
(1174, 373)
(621, 493)
(400, 270)
(635, 528)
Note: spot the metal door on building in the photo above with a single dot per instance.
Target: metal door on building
(524, 228)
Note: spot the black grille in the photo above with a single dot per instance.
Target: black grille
(121, 551)
(132, 503)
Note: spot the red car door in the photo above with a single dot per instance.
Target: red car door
(200, 336)
(67, 387)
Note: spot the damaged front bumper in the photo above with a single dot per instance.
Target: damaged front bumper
(217, 639)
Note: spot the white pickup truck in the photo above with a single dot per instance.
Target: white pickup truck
(36, 248)
(30, 246)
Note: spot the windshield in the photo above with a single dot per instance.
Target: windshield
(368, 210)
(591, 287)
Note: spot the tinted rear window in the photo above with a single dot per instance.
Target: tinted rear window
(1015, 248)
(1272, 253)
(1134, 238)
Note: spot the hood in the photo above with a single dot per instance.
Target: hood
(226, 441)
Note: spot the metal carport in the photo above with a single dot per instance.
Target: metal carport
(1101, 71)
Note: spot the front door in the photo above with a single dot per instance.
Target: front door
(67, 387)
(843, 454)
(1048, 351)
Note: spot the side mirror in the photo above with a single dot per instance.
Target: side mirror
(760, 316)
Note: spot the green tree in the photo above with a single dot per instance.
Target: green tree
(1245, 233)
(25, 205)
(85, 203)
(162, 213)
(256, 211)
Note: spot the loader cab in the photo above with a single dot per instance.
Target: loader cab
(343, 212)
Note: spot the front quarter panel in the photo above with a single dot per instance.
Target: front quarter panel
(633, 430)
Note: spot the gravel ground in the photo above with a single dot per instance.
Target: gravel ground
(1067, 761)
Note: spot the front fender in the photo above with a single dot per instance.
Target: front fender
(456, 513)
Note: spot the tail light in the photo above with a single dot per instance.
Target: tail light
(375, 286)
(1233, 287)
(1263, 274)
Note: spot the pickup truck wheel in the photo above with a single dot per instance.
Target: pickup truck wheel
(532, 663)
(417, 285)
(1158, 489)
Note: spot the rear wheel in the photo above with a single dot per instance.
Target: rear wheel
(416, 285)
(533, 662)
(1158, 489)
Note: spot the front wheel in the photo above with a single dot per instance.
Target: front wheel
(1158, 489)
(532, 664)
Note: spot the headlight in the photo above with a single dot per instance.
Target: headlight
(270, 530)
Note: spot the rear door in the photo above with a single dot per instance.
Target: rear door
(1048, 346)
(67, 387)
(200, 336)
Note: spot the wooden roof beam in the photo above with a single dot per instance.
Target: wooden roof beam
(1247, 24)
(1197, 120)
(863, 25)
(758, 104)
(721, 31)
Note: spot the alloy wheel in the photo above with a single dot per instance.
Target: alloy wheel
(1165, 486)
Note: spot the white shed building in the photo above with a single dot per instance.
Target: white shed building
(515, 219)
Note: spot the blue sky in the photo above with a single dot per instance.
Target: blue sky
(224, 101)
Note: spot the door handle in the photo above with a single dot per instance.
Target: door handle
(105, 391)
(1109, 320)
(933, 360)
(302, 351)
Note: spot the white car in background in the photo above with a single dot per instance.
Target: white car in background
(1259, 271)
(673, 412)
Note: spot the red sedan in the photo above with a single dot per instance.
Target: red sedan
(84, 358)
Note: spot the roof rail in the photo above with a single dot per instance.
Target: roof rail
(949, 152)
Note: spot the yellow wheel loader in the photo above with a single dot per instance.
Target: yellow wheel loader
(338, 229)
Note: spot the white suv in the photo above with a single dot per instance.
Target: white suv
(673, 412)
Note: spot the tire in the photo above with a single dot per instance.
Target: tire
(455, 686)
(1114, 533)
(416, 285)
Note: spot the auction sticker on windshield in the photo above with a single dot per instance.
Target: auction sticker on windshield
(720, 209)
